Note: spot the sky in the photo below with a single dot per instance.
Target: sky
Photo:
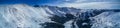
(104, 4)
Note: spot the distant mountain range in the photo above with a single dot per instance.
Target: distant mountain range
(25, 16)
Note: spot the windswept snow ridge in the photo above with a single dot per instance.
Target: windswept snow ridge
(25, 16)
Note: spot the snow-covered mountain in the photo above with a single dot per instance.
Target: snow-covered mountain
(25, 16)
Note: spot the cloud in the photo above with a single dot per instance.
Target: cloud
(91, 4)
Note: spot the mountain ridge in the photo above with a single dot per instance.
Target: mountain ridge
(25, 16)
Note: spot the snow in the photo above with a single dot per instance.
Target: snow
(25, 16)
(107, 20)
(68, 24)
(22, 16)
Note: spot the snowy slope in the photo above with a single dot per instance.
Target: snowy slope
(25, 16)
